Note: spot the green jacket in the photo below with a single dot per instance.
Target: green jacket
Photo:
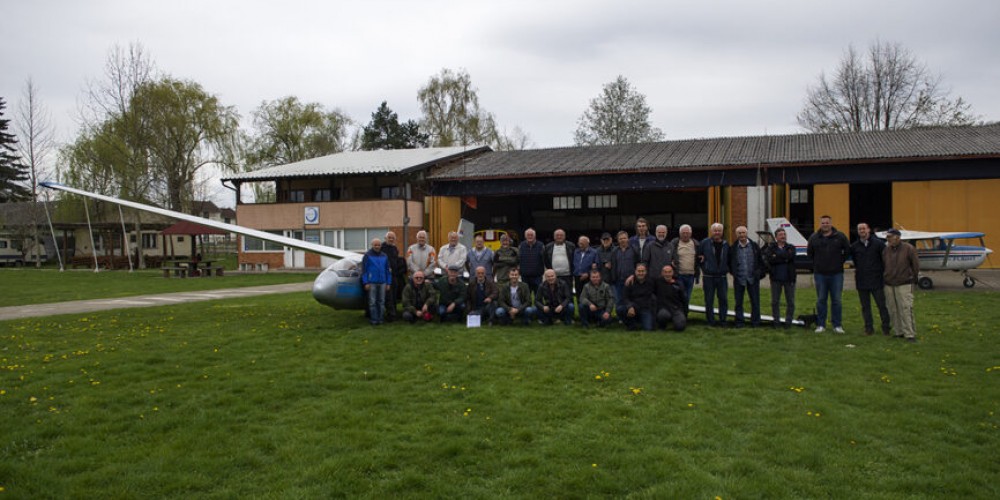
(448, 293)
(602, 296)
(414, 298)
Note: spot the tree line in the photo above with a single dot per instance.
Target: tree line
(145, 135)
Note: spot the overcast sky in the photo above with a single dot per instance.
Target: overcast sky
(708, 68)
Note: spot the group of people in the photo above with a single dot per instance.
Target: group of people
(643, 281)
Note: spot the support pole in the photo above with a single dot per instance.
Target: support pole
(90, 230)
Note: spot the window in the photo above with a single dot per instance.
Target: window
(322, 195)
(498, 220)
(358, 239)
(602, 201)
(258, 245)
(3, 243)
(297, 196)
(799, 196)
(566, 202)
(333, 239)
(149, 240)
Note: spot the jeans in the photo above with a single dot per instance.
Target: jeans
(586, 316)
(549, 317)
(716, 287)
(789, 288)
(642, 317)
(455, 314)
(865, 296)
(676, 318)
(376, 302)
(526, 314)
(829, 285)
(753, 289)
(688, 281)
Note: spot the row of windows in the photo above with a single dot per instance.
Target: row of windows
(593, 201)
(354, 239)
(326, 194)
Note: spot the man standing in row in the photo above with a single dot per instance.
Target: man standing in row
(866, 252)
(376, 276)
(585, 259)
(453, 254)
(902, 268)
(481, 255)
(713, 256)
(504, 259)
(780, 257)
(658, 253)
(747, 268)
(421, 256)
(828, 249)
(685, 263)
(532, 262)
(558, 256)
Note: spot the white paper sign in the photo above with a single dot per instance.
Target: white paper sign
(472, 321)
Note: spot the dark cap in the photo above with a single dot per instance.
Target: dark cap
(893, 231)
(606, 236)
(454, 268)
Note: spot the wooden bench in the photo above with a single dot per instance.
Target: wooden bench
(218, 270)
(180, 272)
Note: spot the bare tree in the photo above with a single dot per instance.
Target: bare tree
(885, 88)
(618, 116)
(34, 127)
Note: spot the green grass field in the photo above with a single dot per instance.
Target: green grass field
(32, 286)
(279, 397)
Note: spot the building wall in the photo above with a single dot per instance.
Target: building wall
(332, 215)
(833, 200)
(444, 213)
(949, 206)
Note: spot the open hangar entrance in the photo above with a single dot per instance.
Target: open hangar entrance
(590, 214)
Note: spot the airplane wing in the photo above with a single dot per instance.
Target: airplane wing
(906, 235)
(232, 228)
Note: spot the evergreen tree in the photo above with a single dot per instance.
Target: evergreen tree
(385, 132)
(12, 172)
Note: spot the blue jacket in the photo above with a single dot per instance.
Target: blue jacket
(375, 268)
(710, 266)
(584, 261)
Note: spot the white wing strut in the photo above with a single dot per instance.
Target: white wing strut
(232, 228)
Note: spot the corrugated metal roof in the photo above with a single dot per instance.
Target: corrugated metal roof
(393, 161)
(700, 154)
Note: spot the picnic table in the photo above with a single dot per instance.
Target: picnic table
(182, 268)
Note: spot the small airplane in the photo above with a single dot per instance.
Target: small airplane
(794, 238)
(938, 252)
(337, 286)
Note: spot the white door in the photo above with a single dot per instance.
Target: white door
(293, 256)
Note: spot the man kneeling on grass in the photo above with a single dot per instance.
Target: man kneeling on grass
(482, 295)
(671, 301)
(419, 299)
(596, 301)
(514, 302)
(451, 296)
(554, 300)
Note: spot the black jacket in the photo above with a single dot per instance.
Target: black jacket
(780, 262)
(828, 253)
(640, 295)
(656, 254)
(550, 247)
(868, 266)
(670, 295)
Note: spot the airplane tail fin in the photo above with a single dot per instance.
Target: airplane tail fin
(794, 236)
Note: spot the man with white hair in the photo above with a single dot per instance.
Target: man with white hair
(747, 267)
(453, 255)
(421, 256)
(558, 256)
(657, 253)
(685, 265)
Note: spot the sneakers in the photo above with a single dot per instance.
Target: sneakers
(838, 329)
(820, 329)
